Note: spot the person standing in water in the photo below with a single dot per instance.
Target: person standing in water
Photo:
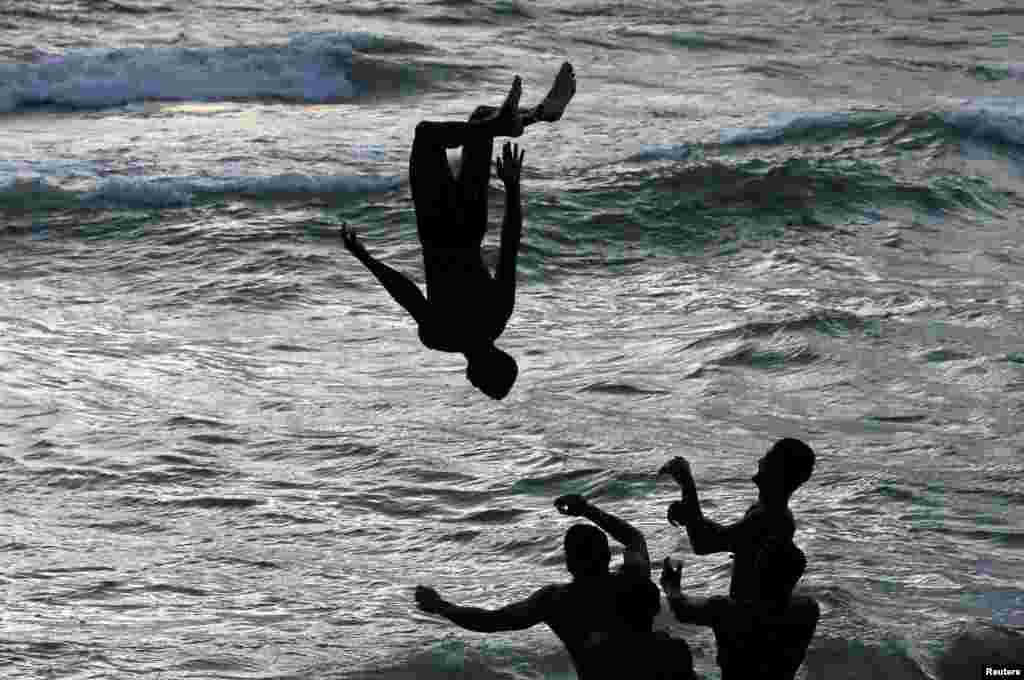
(466, 309)
(764, 536)
(599, 613)
(780, 472)
(764, 636)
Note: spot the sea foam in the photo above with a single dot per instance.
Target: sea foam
(311, 67)
(782, 123)
(170, 192)
(999, 119)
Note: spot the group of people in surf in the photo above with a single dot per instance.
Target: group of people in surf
(603, 617)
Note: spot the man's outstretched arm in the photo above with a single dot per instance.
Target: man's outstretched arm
(516, 616)
(404, 291)
(619, 529)
(509, 168)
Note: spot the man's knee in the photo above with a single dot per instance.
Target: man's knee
(422, 131)
(425, 135)
(481, 112)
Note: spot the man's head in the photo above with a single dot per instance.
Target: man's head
(491, 371)
(782, 470)
(586, 551)
(779, 565)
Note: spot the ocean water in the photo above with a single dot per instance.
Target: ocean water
(225, 454)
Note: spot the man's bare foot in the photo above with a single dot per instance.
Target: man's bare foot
(554, 104)
(508, 118)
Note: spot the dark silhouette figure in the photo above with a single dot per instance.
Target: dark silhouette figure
(637, 652)
(466, 309)
(591, 613)
(780, 472)
(767, 524)
(765, 636)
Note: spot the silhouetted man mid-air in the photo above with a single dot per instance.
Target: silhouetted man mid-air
(466, 309)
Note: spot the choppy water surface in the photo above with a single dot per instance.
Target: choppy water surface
(225, 454)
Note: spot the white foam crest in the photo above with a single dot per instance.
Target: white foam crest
(313, 67)
(662, 152)
(170, 192)
(780, 124)
(127, 192)
(16, 184)
(1000, 119)
(49, 168)
(179, 191)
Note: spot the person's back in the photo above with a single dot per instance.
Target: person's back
(765, 636)
(633, 649)
(644, 656)
(767, 644)
(604, 618)
(580, 613)
(585, 612)
(768, 524)
(768, 634)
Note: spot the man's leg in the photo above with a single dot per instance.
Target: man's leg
(528, 116)
(551, 108)
(434, 191)
(474, 180)
(475, 172)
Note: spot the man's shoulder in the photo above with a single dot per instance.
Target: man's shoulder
(767, 517)
(721, 605)
(633, 570)
(551, 592)
(553, 599)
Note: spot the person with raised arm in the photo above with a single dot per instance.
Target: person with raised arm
(780, 472)
(592, 612)
(764, 636)
(766, 525)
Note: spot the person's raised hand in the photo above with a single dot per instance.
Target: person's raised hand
(671, 577)
(510, 164)
(679, 469)
(680, 513)
(351, 240)
(571, 504)
(428, 600)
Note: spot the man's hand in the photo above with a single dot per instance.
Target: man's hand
(510, 164)
(571, 504)
(671, 577)
(351, 241)
(428, 600)
(680, 513)
(679, 469)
